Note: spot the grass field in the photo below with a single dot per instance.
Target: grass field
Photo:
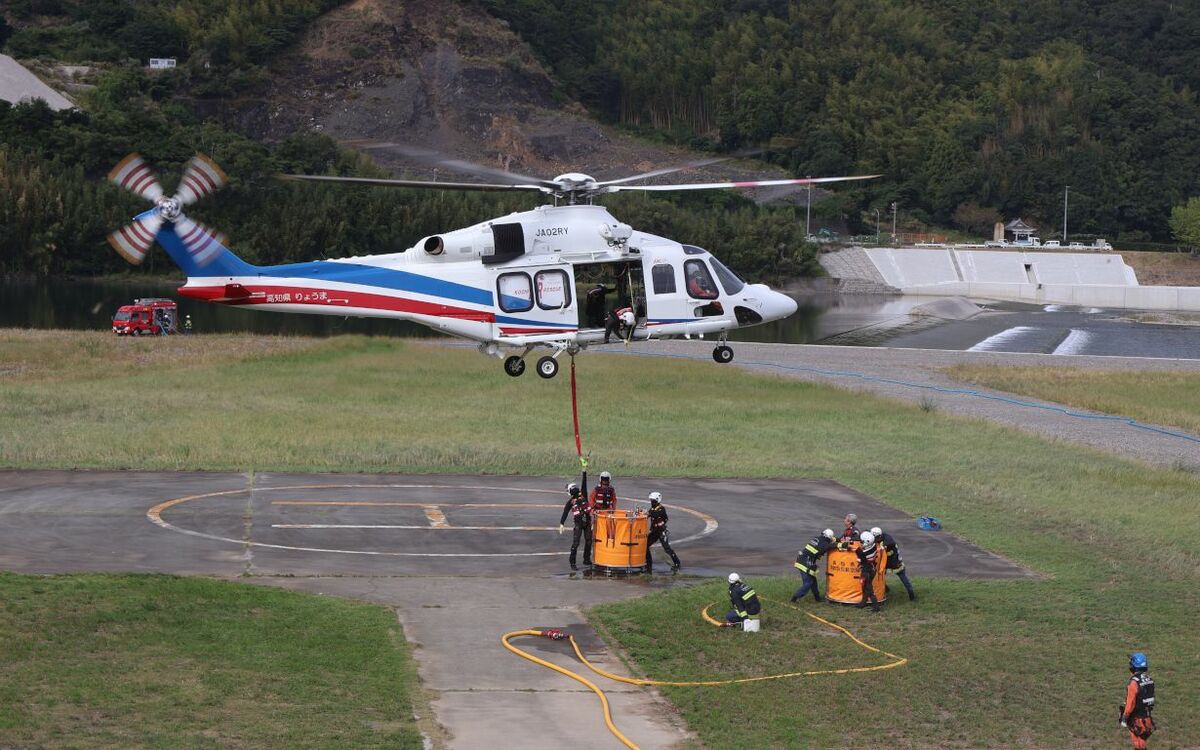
(158, 661)
(1018, 664)
(1164, 398)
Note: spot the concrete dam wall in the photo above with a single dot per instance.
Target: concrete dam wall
(1085, 279)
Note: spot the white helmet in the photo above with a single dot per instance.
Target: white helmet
(627, 318)
(734, 578)
(655, 498)
(605, 475)
(828, 534)
(876, 532)
(867, 539)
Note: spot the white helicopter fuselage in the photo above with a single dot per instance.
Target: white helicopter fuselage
(508, 282)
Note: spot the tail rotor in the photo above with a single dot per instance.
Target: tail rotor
(201, 178)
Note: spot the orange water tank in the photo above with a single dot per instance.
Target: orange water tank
(619, 540)
(843, 579)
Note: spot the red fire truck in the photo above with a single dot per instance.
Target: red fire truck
(145, 317)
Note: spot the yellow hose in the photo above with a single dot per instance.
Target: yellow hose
(899, 661)
(577, 677)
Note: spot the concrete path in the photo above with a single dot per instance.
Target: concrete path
(879, 370)
(462, 559)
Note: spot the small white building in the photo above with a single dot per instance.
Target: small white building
(162, 63)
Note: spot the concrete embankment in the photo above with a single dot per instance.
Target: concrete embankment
(1084, 279)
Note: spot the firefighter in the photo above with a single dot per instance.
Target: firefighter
(1139, 702)
(850, 532)
(594, 305)
(187, 324)
(621, 322)
(894, 562)
(604, 495)
(808, 562)
(579, 507)
(868, 553)
(658, 532)
(745, 602)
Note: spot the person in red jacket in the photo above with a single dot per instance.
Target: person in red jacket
(1139, 702)
(604, 495)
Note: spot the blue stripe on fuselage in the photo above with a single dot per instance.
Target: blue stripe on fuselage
(385, 278)
(532, 323)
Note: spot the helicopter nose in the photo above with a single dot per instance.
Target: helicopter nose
(776, 305)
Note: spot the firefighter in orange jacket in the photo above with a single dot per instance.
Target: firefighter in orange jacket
(604, 495)
(1139, 702)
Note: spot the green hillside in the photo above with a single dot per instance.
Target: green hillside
(973, 109)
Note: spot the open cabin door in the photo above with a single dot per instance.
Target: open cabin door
(536, 301)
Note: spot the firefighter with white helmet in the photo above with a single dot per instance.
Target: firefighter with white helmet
(744, 600)
(579, 508)
(894, 562)
(808, 563)
(604, 495)
(868, 554)
(658, 532)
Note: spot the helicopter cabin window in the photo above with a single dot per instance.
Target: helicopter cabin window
(553, 290)
(516, 292)
(693, 250)
(729, 280)
(662, 276)
(700, 283)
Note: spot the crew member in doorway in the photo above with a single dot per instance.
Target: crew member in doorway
(621, 322)
(743, 599)
(850, 533)
(658, 532)
(1139, 702)
(594, 305)
(579, 508)
(894, 562)
(808, 563)
(868, 554)
(604, 495)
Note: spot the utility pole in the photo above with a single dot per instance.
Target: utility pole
(877, 226)
(1066, 191)
(808, 212)
(894, 206)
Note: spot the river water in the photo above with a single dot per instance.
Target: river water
(852, 320)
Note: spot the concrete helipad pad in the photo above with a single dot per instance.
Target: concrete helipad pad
(277, 524)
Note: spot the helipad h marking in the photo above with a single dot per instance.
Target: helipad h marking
(154, 515)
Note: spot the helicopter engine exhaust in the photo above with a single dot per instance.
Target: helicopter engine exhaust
(434, 245)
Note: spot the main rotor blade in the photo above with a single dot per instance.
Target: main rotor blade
(133, 241)
(701, 162)
(132, 174)
(749, 184)
(201, 178)
(458, 165)
(424, 184)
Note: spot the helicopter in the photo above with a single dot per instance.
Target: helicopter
(510, 284)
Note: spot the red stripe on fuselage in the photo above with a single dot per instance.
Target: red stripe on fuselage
(291, 295)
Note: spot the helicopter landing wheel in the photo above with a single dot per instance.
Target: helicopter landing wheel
(547, 367)
(723, 354)
(514, 366)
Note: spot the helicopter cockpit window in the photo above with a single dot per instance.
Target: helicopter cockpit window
(662, 276)
(516, 292)
(699, 281)
(729, 280)
(693, 250)
(553, 290)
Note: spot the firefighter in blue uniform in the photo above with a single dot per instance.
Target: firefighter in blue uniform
(894, 562)
(808, 563)
(743, 599)
(658, 532)
(578, 506)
